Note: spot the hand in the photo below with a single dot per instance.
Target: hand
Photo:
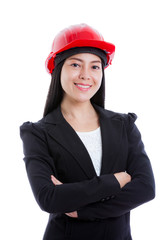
(123, 178)
(57, 182)
(72, 214)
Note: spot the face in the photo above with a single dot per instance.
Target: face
(81, 77)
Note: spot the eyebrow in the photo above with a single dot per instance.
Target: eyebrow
(73, 58)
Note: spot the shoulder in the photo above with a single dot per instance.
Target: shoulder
(32, 128)
(128, 118)
(53, 117)
(115, 115)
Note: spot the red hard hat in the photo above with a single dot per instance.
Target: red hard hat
(80, 35)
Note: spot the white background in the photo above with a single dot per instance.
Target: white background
(132, 85)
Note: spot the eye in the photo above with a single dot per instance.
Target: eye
(96, 67)
(75, 65)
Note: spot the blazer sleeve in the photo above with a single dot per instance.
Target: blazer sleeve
(141, 188)
(40, 166)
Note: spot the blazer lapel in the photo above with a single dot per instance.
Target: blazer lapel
(61, 131)
(111, 132)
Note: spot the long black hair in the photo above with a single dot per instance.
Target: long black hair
(55, 93)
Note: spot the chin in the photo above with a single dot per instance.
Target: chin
(83, 98)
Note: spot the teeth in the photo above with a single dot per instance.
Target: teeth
(82, 86)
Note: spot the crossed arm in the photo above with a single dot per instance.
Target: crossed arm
(83, 199)
(122, 177)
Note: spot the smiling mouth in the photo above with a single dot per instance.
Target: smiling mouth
(83, 86)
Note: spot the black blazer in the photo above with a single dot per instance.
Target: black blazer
(51, 146)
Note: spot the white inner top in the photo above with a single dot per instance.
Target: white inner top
(93, 143)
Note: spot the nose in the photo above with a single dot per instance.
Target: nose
(84, 74)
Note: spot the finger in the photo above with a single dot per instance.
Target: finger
(72, 214)
(55, 180)
(68, 214)
(53, 177)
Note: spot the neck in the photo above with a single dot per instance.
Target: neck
(77, 110)
(81, 116)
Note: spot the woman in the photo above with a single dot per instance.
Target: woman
(86, 165)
